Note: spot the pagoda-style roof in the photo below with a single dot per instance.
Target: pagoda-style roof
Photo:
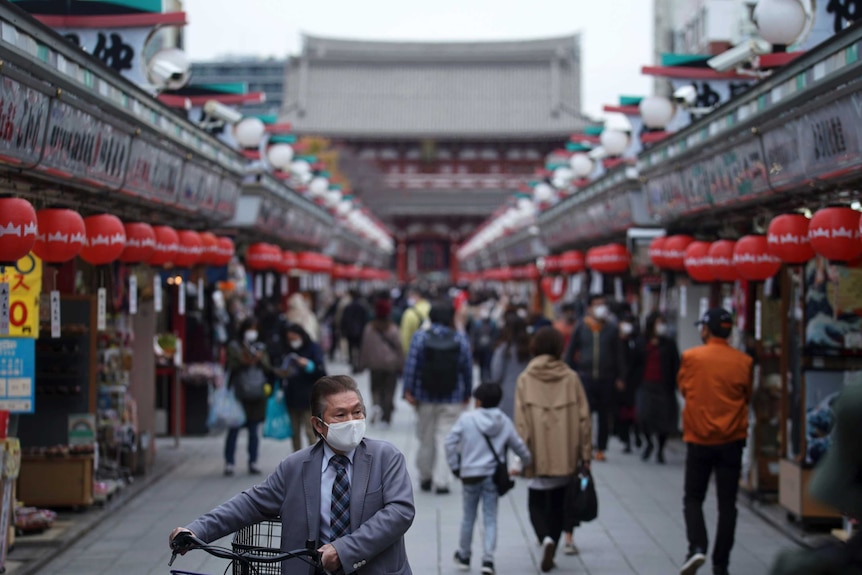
(497, 90)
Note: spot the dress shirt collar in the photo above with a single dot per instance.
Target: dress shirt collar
(328, 454)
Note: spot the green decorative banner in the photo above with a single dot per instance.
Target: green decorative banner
(90, 7)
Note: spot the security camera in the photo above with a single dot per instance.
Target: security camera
(166, 71)
(739, 55)
(685, 96)
(221, 112)
(169, 69)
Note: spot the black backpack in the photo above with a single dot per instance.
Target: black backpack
(441, 358)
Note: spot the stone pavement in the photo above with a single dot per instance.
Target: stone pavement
(639, 531)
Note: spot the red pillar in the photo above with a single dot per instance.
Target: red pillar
(454, 267)
(401, 263)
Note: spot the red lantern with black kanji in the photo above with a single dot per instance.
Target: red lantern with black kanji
(209, 246)
(106, 239)
(140, 243)
(572, 262)
(592, 258)
(656, 252)
(18, 229)
(224, 253)
(551, 264)
(674, 252)
(787, 239)
(190, 249)
(697, 262)
(262, 257)
(609, 259)
(167, 245)
(834, 234)
(286, 263)
(721, 261)
(752, 259)
(61, 235)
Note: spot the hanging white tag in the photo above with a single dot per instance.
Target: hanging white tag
(683, 301)
(768, 286)
(201, 300)
(577, 284)
(758, 316)
(258, 287)
(558, 285)
(283, 285)
(55, 314)
(597, 284)
(303, 283)
(727, 303)
(101, 309)
(157, 292)
(133, 294)
(178, 355)
(4, 308)
(618, 289)
(662, 298)
(270, 284)
(181, 298)
(704, 307)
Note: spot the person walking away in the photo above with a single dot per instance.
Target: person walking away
(414, 317)
(715, 381)
(438, 379)
(381, 353)
(468, 452)
(483, 334)
(595, 353)
(353, 321)
(299, 312)
(625, 424)
(249, 369)
(349, 494)
(565, 322)
(552, 416)
(302, 366)
(510, 358)
(657, 409)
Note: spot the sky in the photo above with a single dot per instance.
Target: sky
(616, 35)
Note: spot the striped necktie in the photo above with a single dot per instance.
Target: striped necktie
(339, 518)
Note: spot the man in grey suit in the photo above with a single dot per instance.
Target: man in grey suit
(351, 495)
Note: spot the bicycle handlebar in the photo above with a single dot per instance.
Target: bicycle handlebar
(185, 541)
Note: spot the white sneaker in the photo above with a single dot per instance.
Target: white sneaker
(692, 563)
(548, 550)
(570, 549)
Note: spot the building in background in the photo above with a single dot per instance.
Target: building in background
(259, 75)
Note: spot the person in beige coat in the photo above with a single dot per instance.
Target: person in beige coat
(382, 354)
(552, 416)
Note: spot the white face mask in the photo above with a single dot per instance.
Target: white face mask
(626, 328)
(296, 343)
(661, 329)
(251, 336)
(346, 435)
(601, 312)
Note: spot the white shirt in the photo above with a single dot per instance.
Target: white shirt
(327, 480)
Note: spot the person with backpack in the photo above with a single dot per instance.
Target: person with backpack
(475, 446)
(438, 380)
(249, 369)
(381, 353)
(414, 318)
(353, 320)
(483, 333)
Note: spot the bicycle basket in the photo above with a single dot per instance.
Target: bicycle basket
(262, 538)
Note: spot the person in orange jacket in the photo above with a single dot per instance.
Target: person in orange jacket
(715, 381)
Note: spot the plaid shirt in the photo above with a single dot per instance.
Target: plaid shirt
(413, 368)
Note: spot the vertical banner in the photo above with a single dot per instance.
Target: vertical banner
(283, 285)
(133, 294)
(157, 292)
(683, 302)
(19, 310)
(618, 289)
(704, 307)
(577, 284)
(258, 287)
(201, 294)
(55, 314)
(181, 298)
(758, 318)
(597, 283)
(270, 284)
(101, 309)
(662, 297)
(4, 308)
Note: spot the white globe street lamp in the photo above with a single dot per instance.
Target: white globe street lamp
(249, 132)
(614, 142)
(581, 165)
(656, 112)
(318, 186)
(780, 22)
(562, 176)
(280, 156)
(543, 193)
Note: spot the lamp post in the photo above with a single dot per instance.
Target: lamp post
(780, 22)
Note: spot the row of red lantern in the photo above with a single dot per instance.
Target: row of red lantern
(354, 272)
(59, 235)
(261, 257)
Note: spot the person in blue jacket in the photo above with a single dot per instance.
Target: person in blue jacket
(302, 366)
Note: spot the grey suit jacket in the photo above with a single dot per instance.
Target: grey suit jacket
(381, 509)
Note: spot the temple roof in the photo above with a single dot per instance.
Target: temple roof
(370, 89)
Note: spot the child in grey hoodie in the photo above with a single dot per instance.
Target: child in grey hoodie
(471, 459)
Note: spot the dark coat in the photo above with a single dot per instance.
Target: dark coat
(297, 392)
(606, 364)
(255, 410)
(657, 404)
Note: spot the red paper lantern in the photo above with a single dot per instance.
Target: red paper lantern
(286, 263)
(209, 243)
(140, 243)
(752, 259)
(167, 246)
(787, 239)
(721, 261)
(572, 262)
(225, 251)
(673, 254)
(106, 239)
(656, 252)
(262, 257)
(609, 259)
(190, 249)
(551, 264)
(61, 236)
(554, 288)
(834, 234)
(18, 227)
(314, 262)
(697, 262)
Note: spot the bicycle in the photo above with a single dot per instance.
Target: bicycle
(247, 561)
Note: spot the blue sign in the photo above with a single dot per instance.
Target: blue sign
(17, 374)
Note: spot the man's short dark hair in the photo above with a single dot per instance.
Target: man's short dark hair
(547, 341)
(442, 313)
(331, 385)
(490, 394)
(594, 296)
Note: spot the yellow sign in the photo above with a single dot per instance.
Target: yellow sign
(25, 289)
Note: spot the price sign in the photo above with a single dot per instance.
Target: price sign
(17, 373)
(133, 294)
(101, 309)
(55, 314)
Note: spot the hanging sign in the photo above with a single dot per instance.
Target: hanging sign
(17, 374)
(152, 172)
(181, 298)
(283, 285)
(157, 292)
(704, 307)
(24, 281)
(23, 115)
(270, 284)
(758, 318)
(133, 294)
(597, 283)
(258, 287)
(55, 314)
(618, 288)
(101, 309)
(201, 299)
(683, 302)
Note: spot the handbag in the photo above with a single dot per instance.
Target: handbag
(225, 411)
(501, 473)
(276, 425)
(581, 498)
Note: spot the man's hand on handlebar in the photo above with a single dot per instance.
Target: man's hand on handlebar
(179, 542)
(329, 558)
